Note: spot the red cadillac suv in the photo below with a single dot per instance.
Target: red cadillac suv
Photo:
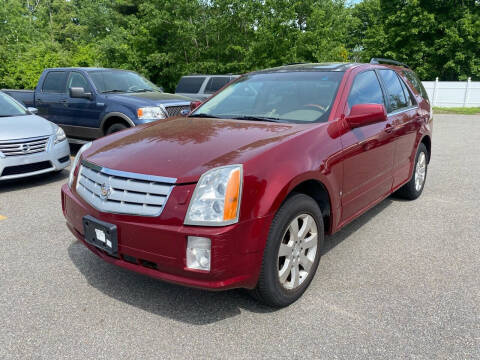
(242, 191)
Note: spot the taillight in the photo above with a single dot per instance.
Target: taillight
(194, 105)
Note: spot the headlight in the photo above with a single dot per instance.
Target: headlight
(75, 163)
(216, 199)
(60, 135)
(151, 113)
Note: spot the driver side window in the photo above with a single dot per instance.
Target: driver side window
(77, 80)
(366, 90)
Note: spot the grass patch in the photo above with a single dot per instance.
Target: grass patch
(457, 110)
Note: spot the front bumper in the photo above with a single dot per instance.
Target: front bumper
(156, 246)
(36, 164)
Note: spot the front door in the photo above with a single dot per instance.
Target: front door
(83, 115)
(368, 151)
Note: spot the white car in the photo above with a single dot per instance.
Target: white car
(29, 144)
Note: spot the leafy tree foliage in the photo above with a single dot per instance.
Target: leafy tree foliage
(165, 39)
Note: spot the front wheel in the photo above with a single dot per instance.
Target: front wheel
(292, 252)
(414, 188)
(115, 128)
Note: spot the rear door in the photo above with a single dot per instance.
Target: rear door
(51, 98)
(81, 113)
(368, 151)
(403, 114)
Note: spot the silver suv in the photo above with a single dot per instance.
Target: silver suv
(201, 87)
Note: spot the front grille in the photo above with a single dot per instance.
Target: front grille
(122, 192)
(23, 146)
(25, 169)
(176, 110)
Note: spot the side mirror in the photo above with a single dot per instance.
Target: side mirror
(194, 105)
(79, 93)
(366, 114)
(32, 110)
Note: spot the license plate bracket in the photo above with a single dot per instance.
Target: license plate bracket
(101, 234)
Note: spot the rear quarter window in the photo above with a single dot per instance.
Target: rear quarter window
(55, 82)
(416, 83)
(216, 83)
(190, 85)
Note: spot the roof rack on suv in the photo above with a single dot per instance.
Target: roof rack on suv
(388, 61)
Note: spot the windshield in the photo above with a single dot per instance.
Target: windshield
(299, 97)
(9, 107)
(121, 81)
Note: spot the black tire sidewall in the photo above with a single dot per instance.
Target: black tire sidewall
(269, 285)
(115, 128)
(414, 193)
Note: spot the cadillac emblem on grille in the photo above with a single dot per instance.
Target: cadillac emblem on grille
(105, 191)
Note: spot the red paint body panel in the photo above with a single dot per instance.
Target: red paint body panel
(358, 168)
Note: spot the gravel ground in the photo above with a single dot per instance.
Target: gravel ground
(401, 281)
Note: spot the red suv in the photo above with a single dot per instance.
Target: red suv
(242, 191)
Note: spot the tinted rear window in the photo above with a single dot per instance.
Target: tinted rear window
(190, 85)
(55, 82)
(216, 83)
(395, 95)
(417, 84)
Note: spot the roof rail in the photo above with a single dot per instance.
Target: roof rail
(388, 61)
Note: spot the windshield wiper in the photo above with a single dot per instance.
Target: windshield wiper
(144, 90)
(113, 91)
(201, 115)
(257, 118)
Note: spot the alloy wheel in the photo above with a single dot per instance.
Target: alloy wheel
(420, 171)
(297, 251)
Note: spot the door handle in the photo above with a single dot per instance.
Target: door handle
(388, 128)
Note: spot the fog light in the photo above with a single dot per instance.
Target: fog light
(198, 253)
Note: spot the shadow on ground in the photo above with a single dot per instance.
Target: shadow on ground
(179, 303)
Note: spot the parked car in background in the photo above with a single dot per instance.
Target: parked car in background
(92, 102)
(201, 87)
(242, 191)
(29, 145)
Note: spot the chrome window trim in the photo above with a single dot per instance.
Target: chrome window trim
(396, 112)
(126, 174)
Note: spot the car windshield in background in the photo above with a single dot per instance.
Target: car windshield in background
(113, 81)
(9, 107)
(298, 97)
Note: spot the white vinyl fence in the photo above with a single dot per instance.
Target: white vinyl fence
(453, 93)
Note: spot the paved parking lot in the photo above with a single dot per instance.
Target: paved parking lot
(401, 281)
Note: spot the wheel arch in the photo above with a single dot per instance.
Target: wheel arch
(316, 189)
(427, 141)
(115, 117)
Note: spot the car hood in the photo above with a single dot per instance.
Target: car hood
(23, 127)
(184, 148)
(149, 98)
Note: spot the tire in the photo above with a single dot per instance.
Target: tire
(414, 188)
(274, 288)
(115, 128)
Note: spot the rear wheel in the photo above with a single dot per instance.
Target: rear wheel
(115, 128)
(414, 188)
(292, 252)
